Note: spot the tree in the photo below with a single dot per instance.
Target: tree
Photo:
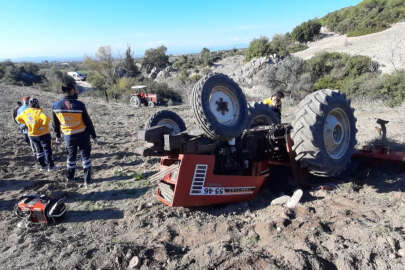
(131, 70)
(307, 31)
(258, 48)
(105, 69)
(155, 58)
(279, 45)
(205, 56)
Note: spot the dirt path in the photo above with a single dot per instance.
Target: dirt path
(386, 47)
(118, 218)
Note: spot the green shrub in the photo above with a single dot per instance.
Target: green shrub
(183, 75)
(96, 80)
(358, 64)
(323, 63)
(258, 48)
(307, 31)
(155, 58)
(325, 82)
(393, 88)
(2, 71)
(165, 93)
(195, 77)
(22, 74)
(54, 77)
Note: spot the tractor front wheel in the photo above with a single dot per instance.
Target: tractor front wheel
(167, 118)
(262, 115)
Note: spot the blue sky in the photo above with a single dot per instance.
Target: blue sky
(74, 28)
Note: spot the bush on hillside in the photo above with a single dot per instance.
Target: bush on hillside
(155, 58)
(122, 89)
(54, 77)
(328, 70)
(22, 74)
(307, 31)
(258, 47)
(393, 88)
(291, 75)
(164, 93)
(367, 17)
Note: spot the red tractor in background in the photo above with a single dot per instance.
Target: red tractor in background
(142, 97)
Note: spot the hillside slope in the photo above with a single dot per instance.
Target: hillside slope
(386, 47)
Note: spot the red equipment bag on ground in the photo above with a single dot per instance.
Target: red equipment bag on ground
(40, 208)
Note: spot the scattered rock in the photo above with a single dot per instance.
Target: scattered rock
(401, 252)
(129, 254)
(22, 224)
(295, 199)
(280, 200)
(134, 262)
(140, 207)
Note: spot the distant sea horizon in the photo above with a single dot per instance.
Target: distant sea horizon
(40, 59)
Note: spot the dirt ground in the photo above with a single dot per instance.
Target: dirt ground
(117, 219)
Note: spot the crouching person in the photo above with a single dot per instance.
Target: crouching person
(70, 118)
(37, 123)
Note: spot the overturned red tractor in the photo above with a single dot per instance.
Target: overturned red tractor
(241, 145)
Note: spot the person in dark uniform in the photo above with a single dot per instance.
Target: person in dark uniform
(70, 117)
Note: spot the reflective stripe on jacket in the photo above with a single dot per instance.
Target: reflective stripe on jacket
(36, 121)
(70, 117)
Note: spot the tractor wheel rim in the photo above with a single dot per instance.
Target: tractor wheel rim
(134, 101)
(336, 133)
(224, 105)
(170, 124)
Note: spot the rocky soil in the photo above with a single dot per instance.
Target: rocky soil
(117, 223)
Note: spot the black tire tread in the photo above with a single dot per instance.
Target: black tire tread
(308, 122)
(162, 114)
(201, 118)
(258, 109)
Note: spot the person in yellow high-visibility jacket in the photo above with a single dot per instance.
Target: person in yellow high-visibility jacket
(37, 123)
(275, 102)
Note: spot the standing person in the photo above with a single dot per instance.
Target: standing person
(37, 124)
(275, 102)
(70, 118)
(23, 128)
(19, 104)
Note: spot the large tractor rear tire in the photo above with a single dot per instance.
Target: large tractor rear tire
(167, 118)
(219, 107)
(262, 115)
(324, 133)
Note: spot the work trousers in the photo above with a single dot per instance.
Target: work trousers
(82, 143)
(43, 150)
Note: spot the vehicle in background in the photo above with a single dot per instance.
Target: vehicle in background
(141, 96)
(78, 76)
